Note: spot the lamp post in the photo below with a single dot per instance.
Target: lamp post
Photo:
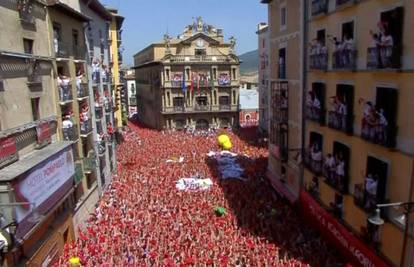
(377, 220)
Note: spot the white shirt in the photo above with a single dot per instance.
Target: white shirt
(66, 123)
(340, 168)
(316, 103)
(371, 186)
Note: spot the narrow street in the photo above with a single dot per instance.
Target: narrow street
(144, 220)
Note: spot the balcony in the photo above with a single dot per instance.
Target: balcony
(364, 199)
(202, 107)
(107, 78)
(334, 174)
(344, 59)
(79, 52)
(25, 9)
(377, 133)
(319, 7)
(319, 61)
(89, 163)
(381, 58)
(71, 133)
(96, 77)
(205, 58)
(132, 101)
(82, 91)
(65, 93)
(61, 50)
(313, 161)
(176, 84)
(86, 127)
(343, 2)
(98, 113)
(281, 71)
(339, 121)
(224, 107)
(314, 114)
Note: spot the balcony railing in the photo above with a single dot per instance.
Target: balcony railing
(339, 121)
(89, 163)
(314, 114)
(79, 52)
(62, 49)
(380, 58)
(224, 107)
(343, 2)
(344, 59)
(98, 113)
(132, 101)
(378, 133)
(334, 178)
(202, 107)
(96, 77)
(107, 78)
(319, 7)
(26, 12)
(70, 134)
(364, 199)
(193, 58)
(319, 61)
(83, 90)
(86, 127)
(65, 93)
(313, 162)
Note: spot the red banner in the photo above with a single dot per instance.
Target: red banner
(43, 133)
(334, 232)
(8, 150)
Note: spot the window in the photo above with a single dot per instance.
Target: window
(336, 165)
(202, 101)
(200, 52)
(315, 103)
(167, 74)
(340, 116)
(234, 97)
(224, 100)
(234, 74)
(283, 17)
(282, 63)
(35, 108)
(28, 46)
(313, 158)
(168, 99)
(75, 38)
(320, 37)
(348, 30)
(178, 101)
(214, 73)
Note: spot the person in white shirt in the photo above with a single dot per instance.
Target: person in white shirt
(387, 45)
(64, 90)
(382, 126)
(342, 114)
(96, 64)
(79, 77)
(329, 166)
(316, 155)
(340, 171)
(66, 122)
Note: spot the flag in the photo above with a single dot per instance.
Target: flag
(192, 82)
(210, 78)
(198, 83)
(183, 83)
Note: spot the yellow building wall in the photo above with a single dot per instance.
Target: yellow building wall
(113, 30)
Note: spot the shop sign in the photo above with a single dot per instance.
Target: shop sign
(44, 186)
(8, 151)
(349, 245)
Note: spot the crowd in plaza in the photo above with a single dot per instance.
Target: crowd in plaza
(143, 220)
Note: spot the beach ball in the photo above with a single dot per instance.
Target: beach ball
(223, 138)
(74, 262)
(227, 145)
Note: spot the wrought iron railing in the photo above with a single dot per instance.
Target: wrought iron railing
(319, 61)
(344, 59)
(339, 121)
(86, 127)
(314, 165)
(62, 49)
(380, 57)
(319, 7)
(71, 133)
(65, 93)
(82, 90)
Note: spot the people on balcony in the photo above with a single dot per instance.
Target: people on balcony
(101, 142)
(316, 157)
(339, 113)
(84, 118)
(67, 121)
(343, 51)
(110, 129)
(64, 89)
(318, 54)
(314, 105)
(383, 41)
(79, 77)
(334, 169)
(96, 65)
(371, 185)
(374, 123)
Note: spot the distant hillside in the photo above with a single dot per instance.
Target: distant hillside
(250, 62)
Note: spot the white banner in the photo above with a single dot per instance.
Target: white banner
(43, 181)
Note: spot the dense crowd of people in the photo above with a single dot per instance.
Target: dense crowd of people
(143, 220)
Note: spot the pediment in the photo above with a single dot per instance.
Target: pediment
(200, 35)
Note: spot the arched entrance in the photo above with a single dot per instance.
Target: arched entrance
(224, 122)
(179, 124)
(202, 124)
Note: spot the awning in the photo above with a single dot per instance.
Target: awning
(30, 161)
(337, 234)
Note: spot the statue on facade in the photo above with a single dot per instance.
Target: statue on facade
(232, 44)
(167, 42)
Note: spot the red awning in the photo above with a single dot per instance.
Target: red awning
(334, 232)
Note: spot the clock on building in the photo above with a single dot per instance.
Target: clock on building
(200, 43)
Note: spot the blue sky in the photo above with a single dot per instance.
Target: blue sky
(147, 21)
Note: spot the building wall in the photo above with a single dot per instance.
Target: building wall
(366, 15)
(286, 37)
(264, 91)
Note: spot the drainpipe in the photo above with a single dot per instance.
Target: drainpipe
(407, 220)
(304, 74)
